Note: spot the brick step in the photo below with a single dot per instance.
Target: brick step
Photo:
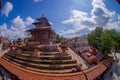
(41, 53)
(53, 71)
(42, 57)
(44, 61)
(42, 66)
(27, 52)
(44, 71)
(47, 55)
(31, 52)
(42, 48)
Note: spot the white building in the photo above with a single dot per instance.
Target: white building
(78, 44)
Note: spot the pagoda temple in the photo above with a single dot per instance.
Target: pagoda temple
(42, 33)
(39, 60)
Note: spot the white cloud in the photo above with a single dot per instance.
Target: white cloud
(118, 17)
(17, 29)
(100, 14)
(29, 20)
(7, 8)
(113, 25)
(18, 22)
(82, 23)
(37, 1)
(4, 31)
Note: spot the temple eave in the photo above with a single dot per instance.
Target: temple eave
(43, 28)
(47, 24)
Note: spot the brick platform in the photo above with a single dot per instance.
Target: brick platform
(31, 75)
(26, 74)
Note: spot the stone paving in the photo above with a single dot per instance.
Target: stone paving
(113, 72)
(79, 59)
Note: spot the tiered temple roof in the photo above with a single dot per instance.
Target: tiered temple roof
(42, 21)
(43, 33)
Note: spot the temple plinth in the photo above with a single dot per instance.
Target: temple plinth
(42, 33)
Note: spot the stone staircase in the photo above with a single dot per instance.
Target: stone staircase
(47, 62)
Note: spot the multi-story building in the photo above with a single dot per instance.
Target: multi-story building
(3, 42)
(78, 44)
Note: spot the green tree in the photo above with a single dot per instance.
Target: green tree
(94, 37)
(106, 42)
(58, 37)
(116, 40)
(92, 40)
(26, 39)
(14, 42)
(98, 31)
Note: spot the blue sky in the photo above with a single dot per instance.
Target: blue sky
(69, 18)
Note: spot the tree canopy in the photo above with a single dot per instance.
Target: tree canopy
(94, 37)
(106, 40)
(58, 37)
(26, 39)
